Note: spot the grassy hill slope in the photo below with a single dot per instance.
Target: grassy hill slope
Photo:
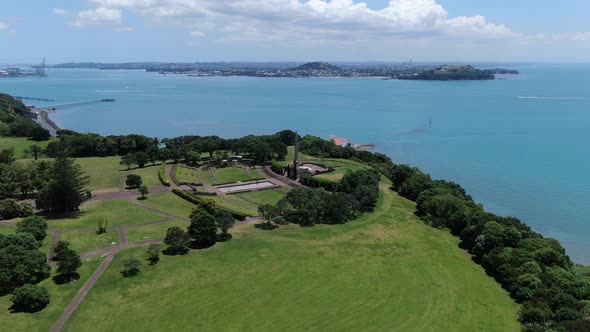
(384, 272)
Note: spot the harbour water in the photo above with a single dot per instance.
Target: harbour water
(518, 145)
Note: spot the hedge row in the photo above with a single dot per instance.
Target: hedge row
(279, 164)
(199, 201)
(162, 175)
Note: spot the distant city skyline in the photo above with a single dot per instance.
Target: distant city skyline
(292, 30)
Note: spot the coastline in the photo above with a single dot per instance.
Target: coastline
(44, 121)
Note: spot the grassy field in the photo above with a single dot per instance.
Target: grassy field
(386, 271)
(154, 231)
(229, 175)
(269, 196)
(149, 175)
(255, 174)
(5, 229)
(204, 176)
(60, 297)
(105, 172)
(83, 241)
(185, 175)
(170, 203)
(116, 211)
(20, 144)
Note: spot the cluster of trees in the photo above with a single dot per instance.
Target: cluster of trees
(73, 144)
(59, 185)
(357, 192)
(17, 120)
(260, 149)
(22, 265)
(68, 262)
(535, 270)
(208, 225)
(318, 147)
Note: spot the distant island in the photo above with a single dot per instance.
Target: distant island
(456, 73)
(405, 71)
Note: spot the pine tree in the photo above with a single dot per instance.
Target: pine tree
(66, 188)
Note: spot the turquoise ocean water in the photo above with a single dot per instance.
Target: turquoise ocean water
(518, 145)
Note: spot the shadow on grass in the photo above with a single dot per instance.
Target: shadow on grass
(64, 278)
(62, 216)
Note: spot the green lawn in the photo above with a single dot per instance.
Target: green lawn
(336, 175)
(105, 172)
(20, 144)
(386, 271)
(5, 229)
(269, 196)
(170, 203)
(205, 176)
(236, 204)
(116, 211)
(154, 231)
(60, 297)
(255, 174)
(83, 241)
(229, 175)
(185, 175)
(149, 175)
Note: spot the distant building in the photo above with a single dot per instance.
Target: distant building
(340, 141)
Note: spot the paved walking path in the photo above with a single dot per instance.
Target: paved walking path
(80, 296)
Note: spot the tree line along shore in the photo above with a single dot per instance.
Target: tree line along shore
(552, 291)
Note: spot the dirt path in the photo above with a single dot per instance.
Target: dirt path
(55, 235)
(126, 194)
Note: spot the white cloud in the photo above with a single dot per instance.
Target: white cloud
(124, 29)
(61, 12)
(197, 33)
(292, 19)
(100, 15)
(3, 26)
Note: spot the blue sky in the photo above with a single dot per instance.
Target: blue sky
(292, 30)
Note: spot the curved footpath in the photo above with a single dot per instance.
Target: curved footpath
(111, 252)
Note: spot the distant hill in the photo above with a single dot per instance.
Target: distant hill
(324, 66)
(451, 73)
(17, 120)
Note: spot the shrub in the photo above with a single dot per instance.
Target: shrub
(162, 175)
(133, 181)
(201, 202)
(34, 225)
(10, 208)
(30, 298)
(131, 268)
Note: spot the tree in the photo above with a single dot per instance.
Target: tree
(143, 190)
(7, 156)
(102, 224)
(68, 262)
(131, 267)
(33, 225)
(203, 228)
(141, 158)
(10, 208)
(154, 253)
(61, 245)
(40, 134)
(178, 241)
(193, 157)
(30, 298)
(23, 240)
(224, 221)
(133, 181)
(128, 160)
(66, 188)
(35, 150)
(268, 213)
(19, 266)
